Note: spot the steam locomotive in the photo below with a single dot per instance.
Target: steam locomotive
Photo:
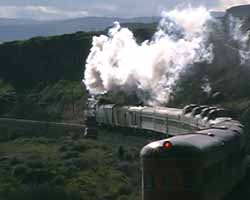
(202, 158)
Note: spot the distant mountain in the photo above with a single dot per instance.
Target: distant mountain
(240, 11)
(15, 22)
(19, 29)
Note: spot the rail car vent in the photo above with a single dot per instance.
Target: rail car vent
(236, 131)
(240, 125)
(210, 134)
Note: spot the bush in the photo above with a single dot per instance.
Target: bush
(36, 163)
(123, 197)
(73, 162)
(69, 154)
(20, 170)
(63, 148)
(15, 160)
(38, 176)
(80, 147)
(43, 192)
(126, 189)
(58, 180)
(126, 167)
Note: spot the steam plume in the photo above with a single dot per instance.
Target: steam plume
(240, 37)
(206, 86)
(117, 61)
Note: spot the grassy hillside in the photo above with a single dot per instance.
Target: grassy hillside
(24, 64)
(67, 169)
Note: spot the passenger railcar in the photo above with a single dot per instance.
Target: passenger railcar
(169, 121)
(203, 165)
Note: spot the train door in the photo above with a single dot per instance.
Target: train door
(169, 180)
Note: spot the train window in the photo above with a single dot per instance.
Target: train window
(173, 123)
(147, 119)
(133, 118)
(159, 121)
(187, 126)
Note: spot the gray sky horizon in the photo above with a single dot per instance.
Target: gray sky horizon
(66, 9)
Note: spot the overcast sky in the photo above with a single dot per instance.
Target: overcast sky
(61, 9)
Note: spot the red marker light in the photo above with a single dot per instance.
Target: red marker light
(167, 145)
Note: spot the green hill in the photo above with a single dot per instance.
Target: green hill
(24, 64)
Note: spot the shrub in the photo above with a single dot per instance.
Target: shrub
(79, 146)
(58, 180)
(15, 160)
(63, 148)
(20, 170)
(125, 189)
(42, 192)
(38, 176)
(123, 197)
(69, 154)
(126, 167)
(36, 163)
(73, 162)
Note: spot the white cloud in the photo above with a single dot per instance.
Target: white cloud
(224, 4)
(39, 12)
(105, 7)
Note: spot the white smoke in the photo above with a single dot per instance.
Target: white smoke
(206, 86)
(242, 38)
(118, 61)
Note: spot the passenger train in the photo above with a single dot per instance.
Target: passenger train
(202, 157)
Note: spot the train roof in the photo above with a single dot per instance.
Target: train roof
(136, 108)
(161, 111)
(168, 111)
(107, 105)
(207, 146)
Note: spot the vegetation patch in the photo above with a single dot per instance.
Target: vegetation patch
(64, 168)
